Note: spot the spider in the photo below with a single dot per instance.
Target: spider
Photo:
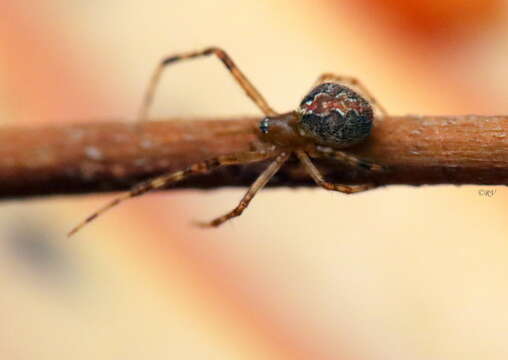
(330, 117)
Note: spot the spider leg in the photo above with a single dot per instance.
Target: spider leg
(249, 195)
(167, 179)
(354, 82)
(246, 85)
(344, 157)
(318, 178)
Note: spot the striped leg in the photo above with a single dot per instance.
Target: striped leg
(318, 178)
(355, 83)
(327, 152)
(165, 180)
(260, 182)
(246, 85)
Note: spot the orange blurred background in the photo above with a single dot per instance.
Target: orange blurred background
(396, 273)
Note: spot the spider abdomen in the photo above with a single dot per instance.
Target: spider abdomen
(334, 115)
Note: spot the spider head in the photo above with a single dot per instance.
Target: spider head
(334, 115)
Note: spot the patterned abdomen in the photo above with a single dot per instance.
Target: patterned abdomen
(335, 115)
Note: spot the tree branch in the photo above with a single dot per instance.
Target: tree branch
(99, 157)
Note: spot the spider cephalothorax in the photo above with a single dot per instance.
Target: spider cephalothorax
(335, 115)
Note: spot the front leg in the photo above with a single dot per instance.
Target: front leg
(260, 182)
(318, 178)
(346, 158)
(240, 78)
(165, 180)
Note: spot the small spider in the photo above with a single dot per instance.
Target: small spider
(329, 118)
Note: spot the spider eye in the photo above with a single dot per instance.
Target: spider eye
(264, 125)
(334, 115)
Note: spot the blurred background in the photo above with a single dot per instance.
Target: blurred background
(396, 273)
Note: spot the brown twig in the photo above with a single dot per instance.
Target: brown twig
(98, 157)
